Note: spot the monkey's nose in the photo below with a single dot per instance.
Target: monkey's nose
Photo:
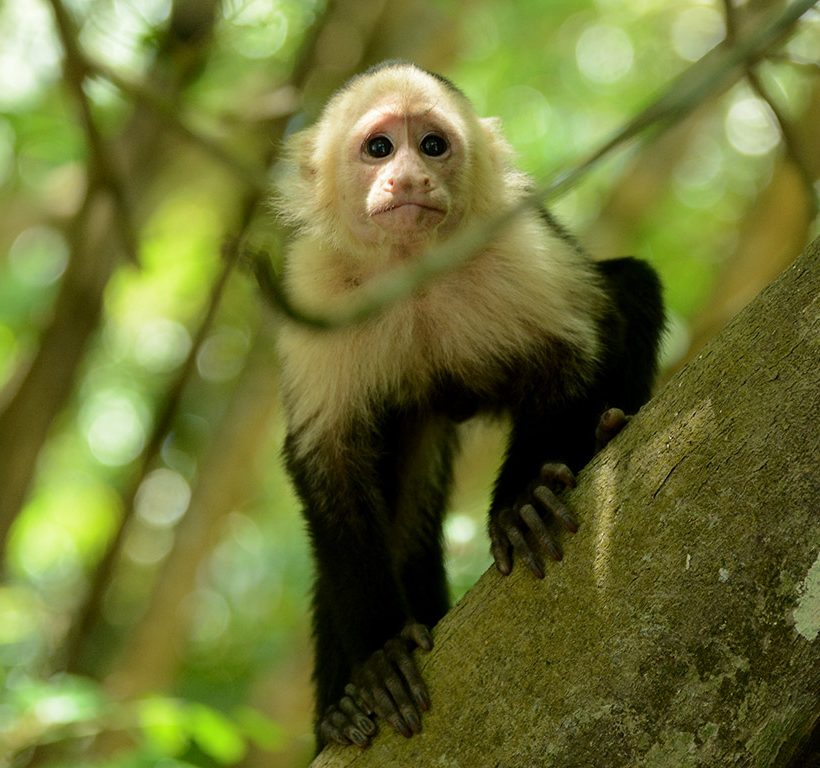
(406, 183)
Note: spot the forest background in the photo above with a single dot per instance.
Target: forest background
(154, 594)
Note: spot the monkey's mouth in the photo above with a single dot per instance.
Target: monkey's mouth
(409, 205)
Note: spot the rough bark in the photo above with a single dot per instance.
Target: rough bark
(681, 627)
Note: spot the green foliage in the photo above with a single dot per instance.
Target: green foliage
(36, 713)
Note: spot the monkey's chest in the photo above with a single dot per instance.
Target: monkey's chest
(456, 347)
(452, 356)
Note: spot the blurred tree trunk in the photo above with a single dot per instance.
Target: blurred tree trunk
(95, 251)
(771, 236)
(149, 662)
(681, 627)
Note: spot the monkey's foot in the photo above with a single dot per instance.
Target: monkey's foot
(389, 683)
(347, 722)
(521, 530)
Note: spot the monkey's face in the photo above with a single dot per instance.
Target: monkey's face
(401, 173)
(397, 160)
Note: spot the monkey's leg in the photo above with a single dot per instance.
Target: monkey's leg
(339, 718)
(421, 572)
(546, 446)
(416, 462)
(362, 615)
(425, 581)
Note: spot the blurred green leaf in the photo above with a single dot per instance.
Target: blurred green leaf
(260, 729)
(165, 724)
(216, 735)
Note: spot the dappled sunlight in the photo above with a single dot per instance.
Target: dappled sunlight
(619, 515)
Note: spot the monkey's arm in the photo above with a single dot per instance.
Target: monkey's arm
(551, 440)
(364, 632)
(546, 447)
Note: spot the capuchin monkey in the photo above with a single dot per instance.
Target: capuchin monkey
(529, 326)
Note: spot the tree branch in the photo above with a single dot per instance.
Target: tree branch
(169, 112)
(76, 69)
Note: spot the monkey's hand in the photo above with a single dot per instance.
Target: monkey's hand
(390, 685)
(522, 530)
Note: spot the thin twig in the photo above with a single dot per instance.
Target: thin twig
(76, 73)
(170, 114)
(710, 75)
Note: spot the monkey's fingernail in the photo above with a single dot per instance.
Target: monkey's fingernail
(401, 727)
(366, 725)
(422, 699)
(412, 719)
(358, 738)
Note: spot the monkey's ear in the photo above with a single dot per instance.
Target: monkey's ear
(492, 127)
(301, 149)
(501, 159)
(500, 149)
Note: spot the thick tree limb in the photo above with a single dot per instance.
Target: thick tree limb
(681, 627)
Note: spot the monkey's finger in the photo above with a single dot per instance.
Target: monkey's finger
(355, 734)
(367, 700)
(332, 728)
(557, 475)
(500, 549)
(386, 708)
(358, 719)
(356, 695)
(408, 721)
(413, 679)
(539, 530)
(409, 679)
(553, 504)
(522, 550)
(418, 634)
(612, 421)
(328, 734)
(384, 684)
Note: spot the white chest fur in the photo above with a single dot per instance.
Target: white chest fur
(490, 309)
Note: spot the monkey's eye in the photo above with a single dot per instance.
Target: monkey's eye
(378, 146)
(433, 145)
